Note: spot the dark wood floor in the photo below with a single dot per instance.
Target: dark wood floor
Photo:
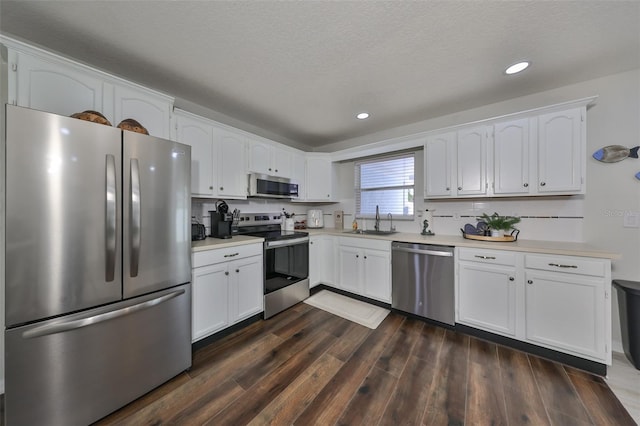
(308, 367)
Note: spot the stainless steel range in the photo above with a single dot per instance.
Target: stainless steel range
(286, 260)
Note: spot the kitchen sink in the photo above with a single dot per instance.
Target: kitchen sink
(370, 232)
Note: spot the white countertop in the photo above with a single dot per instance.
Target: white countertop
(216, 243)
(531, 246)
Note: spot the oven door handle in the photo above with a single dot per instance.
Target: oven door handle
(284, 243)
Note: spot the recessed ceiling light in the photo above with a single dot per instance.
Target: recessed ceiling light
(516, 68)
(362, 115)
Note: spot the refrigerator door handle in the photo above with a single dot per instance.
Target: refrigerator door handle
(110, 224)
(61, 327)
(135, 226)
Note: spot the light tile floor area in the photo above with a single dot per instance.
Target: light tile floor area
(624, 381)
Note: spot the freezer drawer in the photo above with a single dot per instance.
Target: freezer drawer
(77, 369)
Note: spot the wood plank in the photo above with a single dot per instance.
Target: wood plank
(284, 409)
(328, 406)
(557, 391)
(602, 405)
(298, 341)
(352, 338)
(258, 397)
(430, 342)
(397, 352)
(448, 393)
(368, 404)
(485, 394)
(408, 401)
(523, 400)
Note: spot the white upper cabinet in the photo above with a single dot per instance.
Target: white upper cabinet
(561, 156)
(541, 154)
(269, 159)
(511, 157)
(54, 86)
(439, 164)
(471, 154)
(198, 134)
(319, 178)
(152, 111)
(232, 178)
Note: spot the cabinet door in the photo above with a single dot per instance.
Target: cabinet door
(319, 179)
(438, 163)
(260, 158)
(199, 136)
(232, 169)
(281, 162)
(210, 300)
(511, 157)
(350, 264)
(560, 151)
(377, 275)
(315, 260)
(246, 288)
(566, 311)
(299, 175)
(57, 88)
(487, 297)
(471, 155)
(152, 112)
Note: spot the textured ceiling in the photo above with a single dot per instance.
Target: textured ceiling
(301, 70)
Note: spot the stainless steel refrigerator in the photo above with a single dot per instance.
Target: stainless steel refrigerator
(98, 267)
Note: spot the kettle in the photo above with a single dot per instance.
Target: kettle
(315, 219)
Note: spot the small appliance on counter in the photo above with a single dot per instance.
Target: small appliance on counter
(221, 221)
(315, 219)
(198, 231)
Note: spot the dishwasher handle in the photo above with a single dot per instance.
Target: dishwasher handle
(425, 252)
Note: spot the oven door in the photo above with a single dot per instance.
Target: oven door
(285, 263)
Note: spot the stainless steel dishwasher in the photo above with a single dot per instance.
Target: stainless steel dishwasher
(422, 280)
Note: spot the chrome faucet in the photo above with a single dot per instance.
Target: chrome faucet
(377, 225)
(390, 217)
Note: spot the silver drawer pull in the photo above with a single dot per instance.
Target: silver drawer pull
(485, 257)
(231, 255)
(562, 266)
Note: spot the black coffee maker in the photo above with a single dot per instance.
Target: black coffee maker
(221, 221)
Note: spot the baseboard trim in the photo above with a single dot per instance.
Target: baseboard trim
(223, 333)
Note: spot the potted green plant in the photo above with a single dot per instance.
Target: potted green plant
(499, 224)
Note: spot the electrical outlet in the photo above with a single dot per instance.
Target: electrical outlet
(631, 220)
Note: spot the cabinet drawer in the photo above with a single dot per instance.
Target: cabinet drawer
(209, 257)
(567, 264)
(495, 257)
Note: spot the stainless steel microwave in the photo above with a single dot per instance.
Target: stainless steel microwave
(271, 187)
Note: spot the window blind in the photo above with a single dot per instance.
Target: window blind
(387, 182)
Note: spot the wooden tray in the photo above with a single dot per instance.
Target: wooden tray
(503, 239)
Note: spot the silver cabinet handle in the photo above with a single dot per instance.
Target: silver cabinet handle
(459, 188)
(69, 325)
(526, 185)
(231, 255)
(448, 188)
(237, 270)
(226, 272)
(484, 257)
(221, 188)
(529, 281)
(511, 279)
(542, 183)
(557, 265)
(110, 223)
(135, 230)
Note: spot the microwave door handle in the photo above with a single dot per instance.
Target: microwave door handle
(110, 218)
(134, 219)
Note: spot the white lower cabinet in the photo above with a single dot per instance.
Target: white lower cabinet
(554, 301)
(321, 260)
(364, 267)
(225, 291)
(487, 297)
